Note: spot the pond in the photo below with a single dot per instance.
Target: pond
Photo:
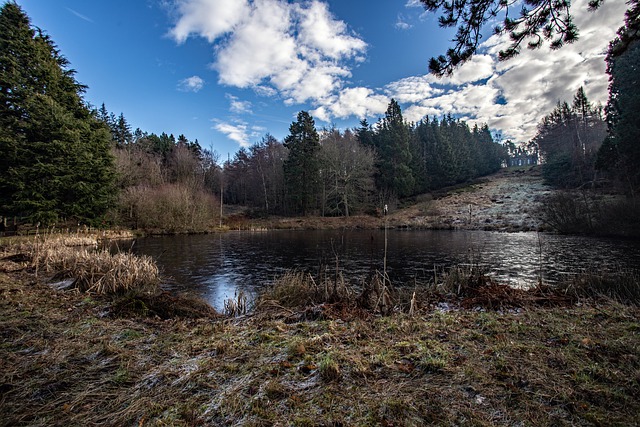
(216, 266)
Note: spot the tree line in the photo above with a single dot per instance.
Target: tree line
(65, 160)
(583, 144)
(61, 159)
(595, 150)
(339, 173)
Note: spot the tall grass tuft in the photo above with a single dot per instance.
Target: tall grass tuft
(237, 306)
(462, 280)
(622, 286)
(104, 273)
(101, 272)
(294, 289)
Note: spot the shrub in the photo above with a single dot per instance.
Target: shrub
(567, 213)
(168, 208)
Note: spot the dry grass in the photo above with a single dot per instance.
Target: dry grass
(76, 257)
(622, 286)
(106, 273)
(297, 295)
(71, 358)
(63, 362)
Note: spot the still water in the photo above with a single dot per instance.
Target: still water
(217, 266)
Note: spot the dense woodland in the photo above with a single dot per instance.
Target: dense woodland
(63, 160)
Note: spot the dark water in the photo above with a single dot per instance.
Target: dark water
(217, 266)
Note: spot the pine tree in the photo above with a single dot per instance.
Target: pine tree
(55, 154)
(302, 169)
(621, 150)
(569, 138)
(392, 142)
(121, 131)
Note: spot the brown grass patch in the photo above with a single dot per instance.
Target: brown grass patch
(76, 257)
(297, 295)
(62, 362)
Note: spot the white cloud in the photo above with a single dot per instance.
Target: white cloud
(191, 84)
(237, 106)
(402, 24)
(528, 86)
(296, 50)
(207, 18)
(260, 47)
(480, 67)
(320, 31)
(79, 15)
(412, 90)
(239, 131)
(359, 101)
(236, 132)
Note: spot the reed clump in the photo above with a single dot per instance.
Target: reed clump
(92, 270)
(619, 285)
(295, 289)
(104, 273)
(298, 294)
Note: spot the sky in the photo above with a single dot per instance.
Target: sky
(228, 72)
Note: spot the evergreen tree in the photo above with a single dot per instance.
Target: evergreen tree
(302, 166)
(392, 142)
(103, 115)
(569, 138)
(55, 157)
(365, 133)
(121, 132)
(621, 150)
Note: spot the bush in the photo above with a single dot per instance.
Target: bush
(567, 213)
(169, 208)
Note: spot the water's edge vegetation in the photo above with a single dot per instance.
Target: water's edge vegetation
(114, 349)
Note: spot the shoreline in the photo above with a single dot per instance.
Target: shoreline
(66, 360)
(507, 201)
(77, 358)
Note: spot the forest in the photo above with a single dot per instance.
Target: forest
(63, 160)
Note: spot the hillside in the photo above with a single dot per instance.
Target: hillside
(505, 201)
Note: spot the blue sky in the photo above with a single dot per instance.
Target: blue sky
(226, 72)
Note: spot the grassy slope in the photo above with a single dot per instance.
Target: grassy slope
(507, 200)
(64, 360)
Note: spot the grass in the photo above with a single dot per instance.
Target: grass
(619, 285)
(76, 257)
(65, 362)
(77, 358)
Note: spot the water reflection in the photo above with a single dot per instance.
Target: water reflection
(218, 266)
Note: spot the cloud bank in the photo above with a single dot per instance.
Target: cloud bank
(297, 50)
(513, 96)
(301, 54)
